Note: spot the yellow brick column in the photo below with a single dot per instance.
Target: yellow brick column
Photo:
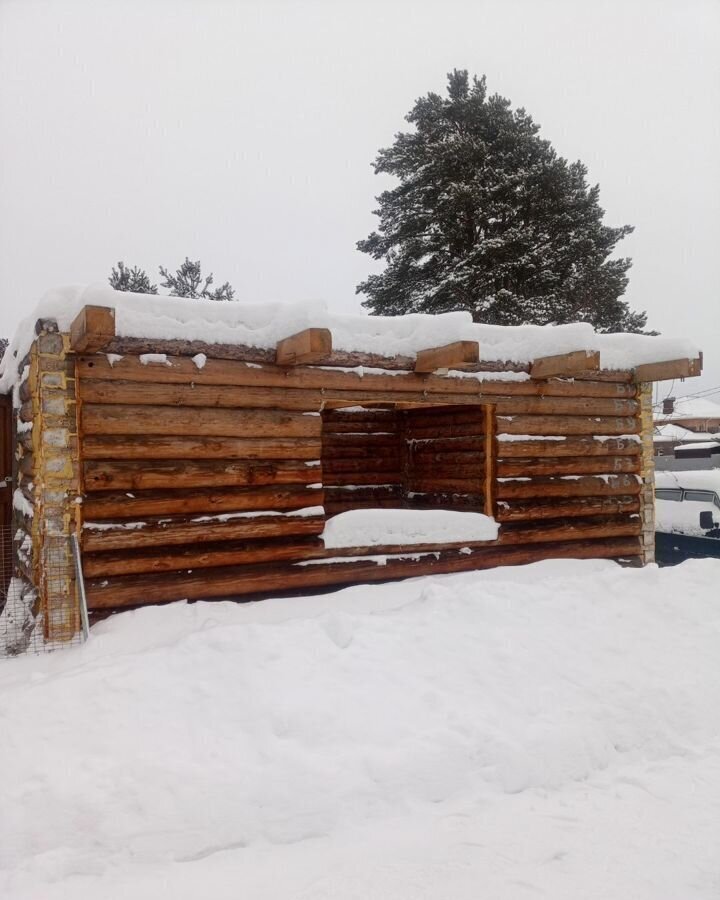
(55, 435)
(647, 473)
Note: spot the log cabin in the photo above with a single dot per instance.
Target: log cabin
(189, 449)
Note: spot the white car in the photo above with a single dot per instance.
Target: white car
(687, 514)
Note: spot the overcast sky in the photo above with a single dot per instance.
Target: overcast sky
(242, 133)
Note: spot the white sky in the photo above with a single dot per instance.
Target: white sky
(242, 133)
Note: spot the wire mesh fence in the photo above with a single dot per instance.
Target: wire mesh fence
(49, 615)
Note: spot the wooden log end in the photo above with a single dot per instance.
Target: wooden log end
(670, 369)
(92, 329)
(305, 347)
(566, 364)
(458, 355)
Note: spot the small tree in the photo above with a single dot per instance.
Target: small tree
(488, 218)
(135, 280)
(188, 282)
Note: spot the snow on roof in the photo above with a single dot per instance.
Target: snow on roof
(264, 324)
(670, 432)
(690, 408)
(701, 445)
(693, 479)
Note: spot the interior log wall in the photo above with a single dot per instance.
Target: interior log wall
(209, 478)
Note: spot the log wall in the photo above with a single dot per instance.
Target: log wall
(213, 478)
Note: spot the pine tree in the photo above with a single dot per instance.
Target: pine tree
(488, 218)
(135, 280)
(187, 282)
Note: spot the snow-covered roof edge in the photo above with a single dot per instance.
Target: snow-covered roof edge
(262, 325)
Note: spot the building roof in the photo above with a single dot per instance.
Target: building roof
(670, 432)
(689, 408)
(691, 479)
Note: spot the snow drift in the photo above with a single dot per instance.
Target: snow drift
(550, 730)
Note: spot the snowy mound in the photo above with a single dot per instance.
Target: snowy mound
(376, 527)
(549, 730)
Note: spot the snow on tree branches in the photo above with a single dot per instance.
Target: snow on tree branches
(135, 280)
(187, 281)
(488, 218)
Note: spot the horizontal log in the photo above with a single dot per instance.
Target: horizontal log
(171, 474)
(419, 432)
(566, 406)
(147, 420)
(534, 510)
(457, 464)
(568, 425)
(369, 477)
(447, 444)
(571, 446)
(567, 465)
(439, 418)
(565, 364)
(201, 447)
(204, 556)
(181, 370)
(153, 393)
(208, 501)
(572, 486)
(448, 483)
(333, 465)
(360, 448)
(243, 581)
(373, 493)
(165, 532)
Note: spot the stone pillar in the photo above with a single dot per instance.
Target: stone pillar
(57, 482)
(647, 473)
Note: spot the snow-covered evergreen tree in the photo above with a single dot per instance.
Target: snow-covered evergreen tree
(488, 218)
(135, 280)
(188, 282)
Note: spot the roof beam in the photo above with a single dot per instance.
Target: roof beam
(92, 329)
(672, 368)
(565, 364)
(308, 346)
(458, 355)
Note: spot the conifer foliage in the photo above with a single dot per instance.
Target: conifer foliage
(488, 218)
(135, 280)
(188, 281)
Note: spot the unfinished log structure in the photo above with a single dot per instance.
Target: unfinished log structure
(201, 470)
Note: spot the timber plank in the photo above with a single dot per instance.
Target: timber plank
(305, 347)
(209, 501)
(457, 355)
(567, 406)
(568, 486)
(575, 363)
(124, 475)
(568, 425)
(203, 556)
(570, 446)
(244, 580)
(568, 465)
(117, 447)
(181, 370)
(534, 510)
(168, 532)
(151, 420)
(92, 329)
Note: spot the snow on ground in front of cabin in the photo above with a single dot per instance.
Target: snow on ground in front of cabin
(375, 527)
(542, 731)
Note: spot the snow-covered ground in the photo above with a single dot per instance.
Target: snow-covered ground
(545, 731)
